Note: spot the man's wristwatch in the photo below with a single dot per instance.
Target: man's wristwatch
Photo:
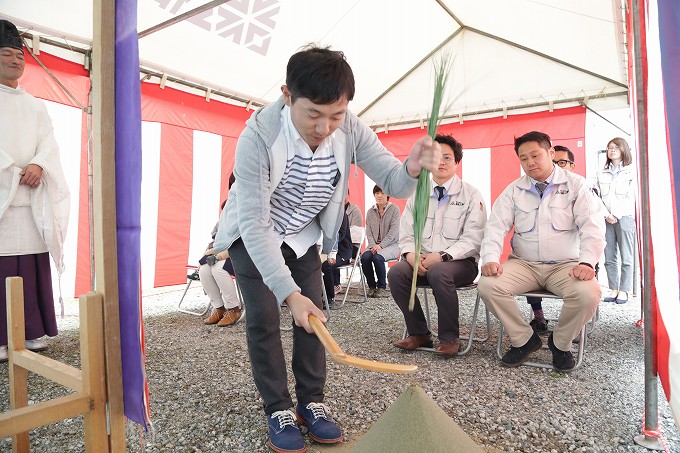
(586, 264)
(445, 256)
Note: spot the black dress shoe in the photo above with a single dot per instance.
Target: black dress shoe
(517, 356)
(562, 360)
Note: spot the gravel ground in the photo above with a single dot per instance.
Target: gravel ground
(203, 398)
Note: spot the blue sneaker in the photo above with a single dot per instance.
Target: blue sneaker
(284, 434)
(322, 427)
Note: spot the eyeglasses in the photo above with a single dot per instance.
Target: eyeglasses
(563, 162)
(448, 158)
(613, 148)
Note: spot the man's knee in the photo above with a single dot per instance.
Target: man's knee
(399, 271)
(586, 293)
(485, 286)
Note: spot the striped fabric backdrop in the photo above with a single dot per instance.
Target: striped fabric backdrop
(188, 154)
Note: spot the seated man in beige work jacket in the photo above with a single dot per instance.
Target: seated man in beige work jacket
(558, 239)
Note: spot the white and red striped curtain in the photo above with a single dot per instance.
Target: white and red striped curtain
(188, 154)
(660, 94)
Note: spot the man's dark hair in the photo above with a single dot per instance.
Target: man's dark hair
(455, 145)
(319, 74)
(377, 189)
(567, 150)
(542, 139)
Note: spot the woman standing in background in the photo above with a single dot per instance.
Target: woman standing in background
(617, 183)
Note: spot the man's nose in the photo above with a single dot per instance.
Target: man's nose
(322, 126)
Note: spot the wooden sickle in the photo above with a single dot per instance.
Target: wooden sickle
(339, 356)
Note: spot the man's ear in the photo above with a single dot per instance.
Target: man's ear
(286, 95)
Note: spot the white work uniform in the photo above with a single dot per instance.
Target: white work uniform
(552, 235)
(454, 225)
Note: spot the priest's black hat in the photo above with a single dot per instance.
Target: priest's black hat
(9, 35)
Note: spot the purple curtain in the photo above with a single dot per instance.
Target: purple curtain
(128, 209)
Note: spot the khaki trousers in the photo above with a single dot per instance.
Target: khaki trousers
(581, 298)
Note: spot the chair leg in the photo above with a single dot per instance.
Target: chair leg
(426, 310)
(241, 303)
(473, 327)
(591, 323)
(190, 312)
(325, 304)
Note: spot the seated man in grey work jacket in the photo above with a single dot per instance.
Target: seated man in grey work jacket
(558, 239)
(449, 252)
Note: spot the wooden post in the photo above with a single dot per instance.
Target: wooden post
(16, 336)
(93, 366)
(104, 206)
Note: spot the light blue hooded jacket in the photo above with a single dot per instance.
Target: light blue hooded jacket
(258, 172)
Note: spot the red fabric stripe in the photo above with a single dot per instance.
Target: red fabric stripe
(83, 276)
(174, 205)
(505, 169)
(564, 126)
(228, 157)
(170, 106)
(41, 85)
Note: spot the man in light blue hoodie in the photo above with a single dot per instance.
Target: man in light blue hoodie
(292, 168)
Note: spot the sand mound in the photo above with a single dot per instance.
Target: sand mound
(414, 423)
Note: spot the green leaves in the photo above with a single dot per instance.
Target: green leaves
(442, 67)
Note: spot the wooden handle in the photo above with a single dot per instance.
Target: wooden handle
(339, 356)
(326, 339)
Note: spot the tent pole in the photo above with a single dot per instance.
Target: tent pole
(104, 206)
(649, 438)
(181, 17)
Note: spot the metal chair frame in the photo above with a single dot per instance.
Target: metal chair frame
(190, 279)
(473, 326)
(582, 345)
(353, 266)
(195, 277)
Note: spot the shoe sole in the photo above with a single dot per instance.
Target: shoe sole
(426, 346)
(301, 421)
(525, 358)
(37, 349)
(325, 441)
(280, 450)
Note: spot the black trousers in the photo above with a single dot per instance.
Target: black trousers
(443, 278)
(264, 336)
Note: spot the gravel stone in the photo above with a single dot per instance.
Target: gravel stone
(203, 398)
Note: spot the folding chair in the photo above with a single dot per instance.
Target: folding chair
(473, 326)
(191, 277)
(353, 265)
(581, 344)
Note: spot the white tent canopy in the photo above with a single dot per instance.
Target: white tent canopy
(509, 54)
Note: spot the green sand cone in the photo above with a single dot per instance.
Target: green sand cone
(414, 423)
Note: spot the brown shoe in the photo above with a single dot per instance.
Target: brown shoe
(380, 293)
(449, 347)
(414, 342)
(215, 317)
(230, 317)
